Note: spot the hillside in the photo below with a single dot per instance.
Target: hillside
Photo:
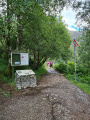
(75, 34)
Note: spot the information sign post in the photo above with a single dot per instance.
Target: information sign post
(75, 44)
(19, 59)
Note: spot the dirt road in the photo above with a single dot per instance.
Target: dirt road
(55, 98)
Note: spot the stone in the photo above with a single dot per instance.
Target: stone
(25, 78)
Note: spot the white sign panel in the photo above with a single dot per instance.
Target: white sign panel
(24, 59)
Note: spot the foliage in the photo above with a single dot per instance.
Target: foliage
(3, 65)
(3, 68)
(83, 67)
(82, 70)
(81, 79)
(83, 10)
(84, 50)
(83, 76)
(62, 68)
(40, 71)
(27, 27)
(8, 71)
(82, 85)
(65, 68)
(45, 40)
(70, 67)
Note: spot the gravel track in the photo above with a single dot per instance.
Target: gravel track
(55, 98)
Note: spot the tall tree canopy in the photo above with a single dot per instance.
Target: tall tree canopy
(84, 15)
(28, 27)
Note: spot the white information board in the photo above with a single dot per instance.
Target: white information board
(19, 59)
(24, 59)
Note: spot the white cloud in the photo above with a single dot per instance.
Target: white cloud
(70, 28)
(69, 16)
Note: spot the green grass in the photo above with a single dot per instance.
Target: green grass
(83, 86)
(40, 71)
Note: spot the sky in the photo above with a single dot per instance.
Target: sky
(69, 18)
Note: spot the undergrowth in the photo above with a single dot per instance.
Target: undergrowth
(10, 80)
(83, 77)
(82, 85)
(40, 71)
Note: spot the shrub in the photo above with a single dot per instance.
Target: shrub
(83, 70)
(62, 68)
(84, 79)
(3, 65)
(40, 71)
(70, 67)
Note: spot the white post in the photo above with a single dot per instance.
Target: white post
(75, 61)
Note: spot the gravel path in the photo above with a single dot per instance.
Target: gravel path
(51, 70)
(53, 99)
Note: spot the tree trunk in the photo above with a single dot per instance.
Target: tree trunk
(19, 33)
(38, 57)
(8, 28)
(34, 58)
(43, 61)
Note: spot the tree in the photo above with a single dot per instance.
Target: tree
(84, 50)
(84, 15)
(28, 27)
(45, 37)
(7, 20)
(83, 11)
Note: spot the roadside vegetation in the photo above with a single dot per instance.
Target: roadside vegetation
(10, 80)
(83, 53)
(83, 76)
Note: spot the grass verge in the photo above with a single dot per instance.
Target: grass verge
(40, 71)
(83, 86)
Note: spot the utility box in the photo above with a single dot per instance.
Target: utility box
(25, 78)
(19, 58)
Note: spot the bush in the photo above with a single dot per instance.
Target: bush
(40, 71)
(84, 79)
(3, 65)
(82, 70)
(62, 68)
(66, 68)
(70, 67)
(81, 82)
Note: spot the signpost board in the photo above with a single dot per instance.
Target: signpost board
(24, 59)
(19, 59)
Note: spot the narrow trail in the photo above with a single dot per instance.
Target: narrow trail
(51, 70)
(55, 98)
